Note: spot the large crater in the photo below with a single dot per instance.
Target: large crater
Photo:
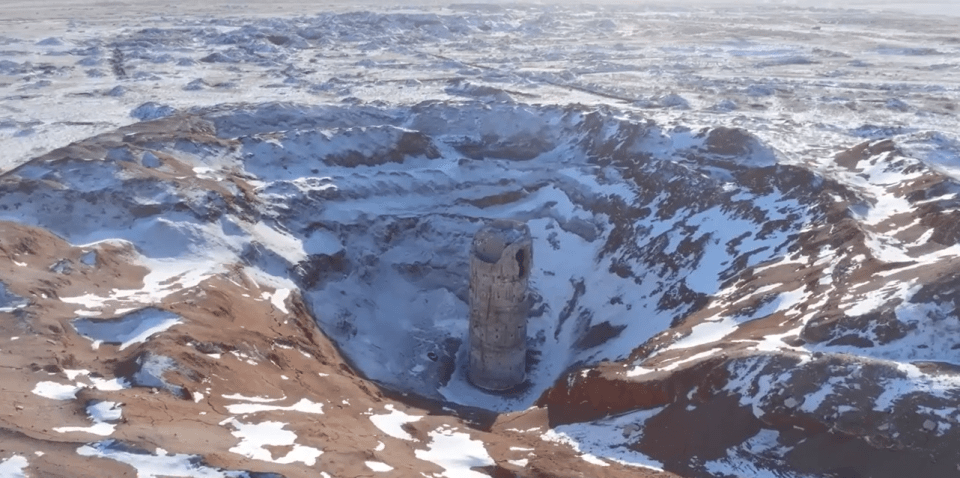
(369, 212)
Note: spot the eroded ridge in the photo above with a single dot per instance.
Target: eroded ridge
(680, 274)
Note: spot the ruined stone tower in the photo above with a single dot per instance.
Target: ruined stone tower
(500, 261)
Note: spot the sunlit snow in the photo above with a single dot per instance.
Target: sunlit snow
(56, 391)
(392, 423)
(456, 453)
(254, 436)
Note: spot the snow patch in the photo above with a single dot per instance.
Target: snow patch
(131, 329)
(13, 467)
(9, 301)
(304, 406)
(100, 413)
(456, 453)
(57, 391)
(392, 423)
(377, 466)
(237, 396)
(606, 439)
(254, 436)
(155, 466)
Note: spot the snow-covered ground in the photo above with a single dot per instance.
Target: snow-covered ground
(80, 75)
(689, 174)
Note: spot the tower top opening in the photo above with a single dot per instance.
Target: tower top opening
(492, 239)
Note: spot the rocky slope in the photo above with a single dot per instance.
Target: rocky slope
(279, 288)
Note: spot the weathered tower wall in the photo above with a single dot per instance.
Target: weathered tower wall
(500, 261)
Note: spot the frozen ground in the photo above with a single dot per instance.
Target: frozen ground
(69, 77)
(770, 191)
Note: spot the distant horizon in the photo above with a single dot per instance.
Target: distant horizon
(22, 9)
(926, 7)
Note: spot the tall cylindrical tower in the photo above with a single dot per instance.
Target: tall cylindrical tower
(500, 261)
